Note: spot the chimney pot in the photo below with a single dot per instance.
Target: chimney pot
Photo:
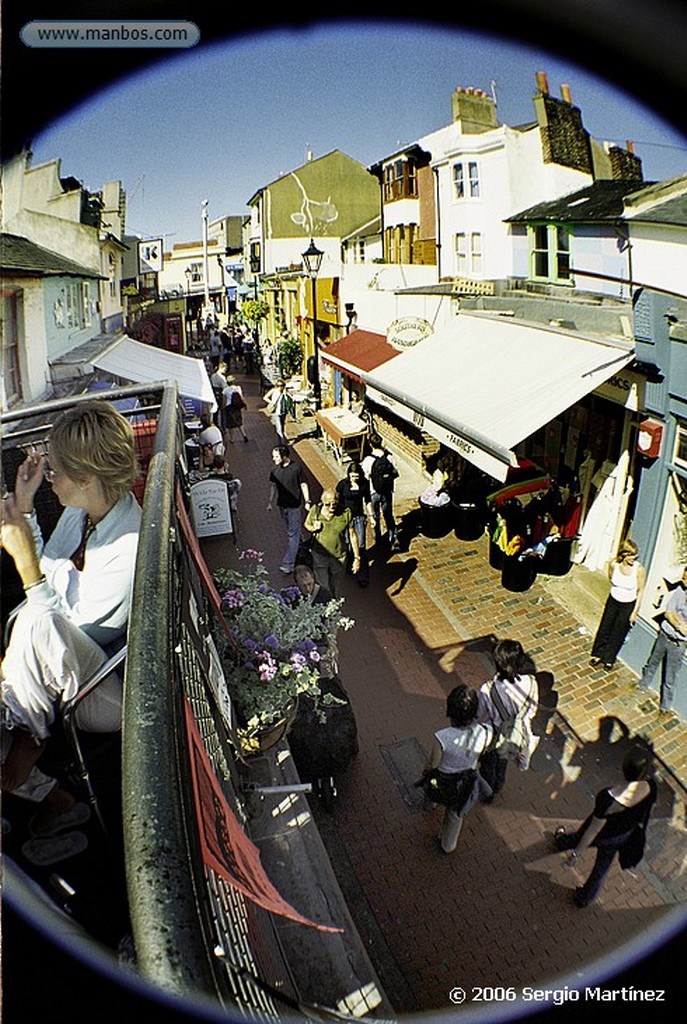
(630, 146)
(566, 94)
(542, 83)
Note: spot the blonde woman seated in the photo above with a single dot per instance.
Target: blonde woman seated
(78, 586)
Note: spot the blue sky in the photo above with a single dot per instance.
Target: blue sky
(220, 121)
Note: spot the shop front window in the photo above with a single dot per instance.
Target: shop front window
(680, 457)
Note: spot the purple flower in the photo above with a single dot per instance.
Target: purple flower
(234, 598)
(271, 641)
(267, 667)
(251, 554)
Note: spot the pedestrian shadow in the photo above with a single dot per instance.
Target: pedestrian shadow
(409, 527)
(398, 572)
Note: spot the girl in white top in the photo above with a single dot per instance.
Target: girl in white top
(627, 578)
(455, 753)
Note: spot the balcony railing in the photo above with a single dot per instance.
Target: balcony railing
(195, 933)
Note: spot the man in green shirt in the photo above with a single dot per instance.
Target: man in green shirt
(329, 527)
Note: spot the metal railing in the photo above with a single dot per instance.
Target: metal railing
(193, 934)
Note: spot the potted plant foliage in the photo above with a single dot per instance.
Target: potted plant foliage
(279, 646)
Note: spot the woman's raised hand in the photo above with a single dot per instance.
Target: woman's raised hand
(29, 478)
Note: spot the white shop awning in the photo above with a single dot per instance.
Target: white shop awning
(482, 385)
(144, 364)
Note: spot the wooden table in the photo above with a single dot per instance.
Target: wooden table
(344, 433)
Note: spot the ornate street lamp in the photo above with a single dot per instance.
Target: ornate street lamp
(312, 261)
(254, 260)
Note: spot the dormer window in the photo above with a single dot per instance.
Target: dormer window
(400, 180)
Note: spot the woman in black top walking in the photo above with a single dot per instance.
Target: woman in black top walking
(353, 492)
(616, 825)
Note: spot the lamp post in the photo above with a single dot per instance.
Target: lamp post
(254, 260)
(312, 261)
(188, 274)
(222, 270)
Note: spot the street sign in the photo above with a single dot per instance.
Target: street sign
(150, 256)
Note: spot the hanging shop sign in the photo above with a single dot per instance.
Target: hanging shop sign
(649, 438)
(407, 331)
(150, 256)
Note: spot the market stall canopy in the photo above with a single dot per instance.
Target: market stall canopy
(359, 352)
(482, 385)
(143, 364)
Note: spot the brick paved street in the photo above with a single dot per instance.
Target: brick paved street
(497, 912)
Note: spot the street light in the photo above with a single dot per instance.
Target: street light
(312, 261)
(222, 269)
(188, 274)
(254, 260)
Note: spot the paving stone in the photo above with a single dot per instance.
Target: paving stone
(409, 647)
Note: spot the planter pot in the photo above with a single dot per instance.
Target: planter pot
(265, 739)
(469, 520)
(496, 556)
(557, 559)
(436, 520)
(518, 574)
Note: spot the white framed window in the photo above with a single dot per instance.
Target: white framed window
(86, 303)
(13, 308)
(476, 261)
(112, 275)
(473, 177)
(458, 181)
(680, 454)
(466, 181)
(549, 252)
(461, 249)
(73, 305)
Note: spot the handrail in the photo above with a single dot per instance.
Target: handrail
(163, 902)
(56, 405)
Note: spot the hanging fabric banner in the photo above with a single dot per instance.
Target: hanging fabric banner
(225, 846)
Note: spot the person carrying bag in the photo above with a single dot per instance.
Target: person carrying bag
(509, 703)
(452, 777)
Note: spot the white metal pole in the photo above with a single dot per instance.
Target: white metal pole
(206, 265)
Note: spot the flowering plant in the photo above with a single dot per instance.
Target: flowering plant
(280, 643)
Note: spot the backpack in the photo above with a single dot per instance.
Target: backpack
(382, 474)
(237, 401)
(514, 737)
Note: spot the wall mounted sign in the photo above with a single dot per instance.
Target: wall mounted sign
(407, 331)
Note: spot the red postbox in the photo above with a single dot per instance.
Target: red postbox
(649, 438)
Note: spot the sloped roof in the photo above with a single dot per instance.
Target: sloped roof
(670, 211)
(359, 352)
(600, 201)
(22, 256)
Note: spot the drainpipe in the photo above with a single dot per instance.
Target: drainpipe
(623, 231)
(437, 221)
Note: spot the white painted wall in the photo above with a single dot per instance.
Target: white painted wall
(512, 177)
(659, 256)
